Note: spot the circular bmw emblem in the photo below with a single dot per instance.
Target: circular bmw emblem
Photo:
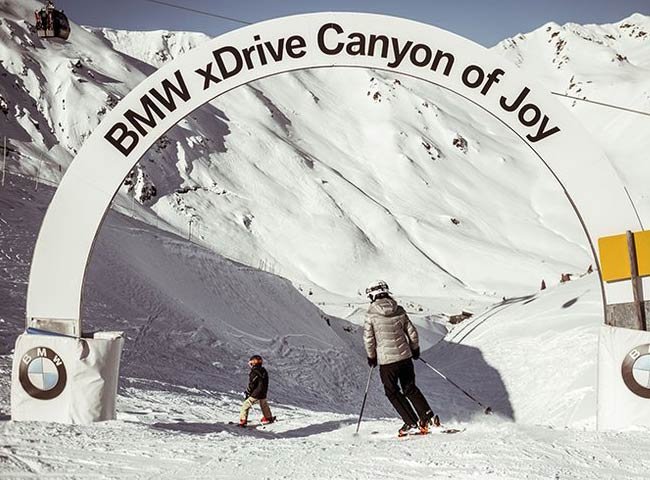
(636, 370)
(42, 373)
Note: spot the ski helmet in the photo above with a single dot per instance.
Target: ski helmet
(377, 288)
(255, 360)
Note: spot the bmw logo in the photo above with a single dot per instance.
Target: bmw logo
(636, 370)
(42, 373)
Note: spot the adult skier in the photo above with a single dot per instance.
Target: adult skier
(391, 341)
(258, 385)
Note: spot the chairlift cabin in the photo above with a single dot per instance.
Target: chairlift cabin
(51, 22)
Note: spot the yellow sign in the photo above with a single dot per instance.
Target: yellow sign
(615, 258)
(642, 241)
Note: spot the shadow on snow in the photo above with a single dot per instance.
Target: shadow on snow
(202, 428)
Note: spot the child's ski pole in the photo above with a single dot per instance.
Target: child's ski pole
(363, 404)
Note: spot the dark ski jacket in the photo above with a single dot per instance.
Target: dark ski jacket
(258, 382)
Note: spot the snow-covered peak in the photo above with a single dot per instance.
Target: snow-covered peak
(567, 47)
(153, 47)
(429, 194)
(602, 63)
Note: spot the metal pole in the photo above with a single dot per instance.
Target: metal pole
(637, 286)
(38, 174)
(365, 395)
(4, 160)
(488, 410)
(189, 236)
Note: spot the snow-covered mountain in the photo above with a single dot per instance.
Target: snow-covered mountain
(405, 183)
(190, 317)
(329, 178)
(605, 63)
(400, 196)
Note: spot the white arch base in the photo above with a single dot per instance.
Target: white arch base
(301, 42)
(622, 401)
(66, 380)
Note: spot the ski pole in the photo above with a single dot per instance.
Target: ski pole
(363, 404)
(488, 410)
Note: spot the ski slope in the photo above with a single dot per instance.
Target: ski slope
(429, 195)
(184, 366)
(182, 433)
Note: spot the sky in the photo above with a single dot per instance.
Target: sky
(486, 22)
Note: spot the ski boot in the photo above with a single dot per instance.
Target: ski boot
(427, 420)
(266, 421)
(408, 429)
(242, 423)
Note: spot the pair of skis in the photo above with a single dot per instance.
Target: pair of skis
(430, 432)
(437, 428)
(253, 424)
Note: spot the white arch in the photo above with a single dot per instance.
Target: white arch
(299, 42)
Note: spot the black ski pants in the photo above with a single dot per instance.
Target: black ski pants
(404, 373)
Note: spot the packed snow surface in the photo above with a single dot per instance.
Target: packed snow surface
(165, 432)
(300, 190)
(184, 367)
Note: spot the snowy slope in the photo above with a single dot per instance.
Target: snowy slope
(154, 48)
(605, 63)
(210, 314)
(610, 62)
(430, 195)
(185, 434)
(175, 403)
(330, 209)
(56, 93)
(541, 350)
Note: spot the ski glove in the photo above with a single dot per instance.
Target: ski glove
(372, 362)
(415, 353)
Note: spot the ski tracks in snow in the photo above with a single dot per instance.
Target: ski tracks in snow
(184, 433)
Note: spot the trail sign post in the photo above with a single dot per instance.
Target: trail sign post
(626, 257)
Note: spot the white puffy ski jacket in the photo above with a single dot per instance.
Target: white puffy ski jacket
(388, 334)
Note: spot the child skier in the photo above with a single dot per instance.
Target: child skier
(258, 385)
